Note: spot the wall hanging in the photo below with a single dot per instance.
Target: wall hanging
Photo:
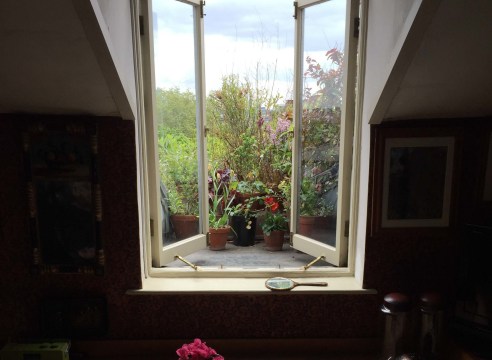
(64, 196)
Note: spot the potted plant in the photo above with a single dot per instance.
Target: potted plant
(247, 204)
(274, 225)
(179, 173)
(316, 212)
(220, 206)
(243, 222)
(184, 212)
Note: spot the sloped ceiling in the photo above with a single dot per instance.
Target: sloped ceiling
(446, 73)
(450, 74)
(47, 64)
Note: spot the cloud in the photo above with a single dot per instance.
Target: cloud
(240, 37)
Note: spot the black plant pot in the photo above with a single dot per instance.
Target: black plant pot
(243, 236)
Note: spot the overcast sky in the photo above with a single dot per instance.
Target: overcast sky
(241, 36)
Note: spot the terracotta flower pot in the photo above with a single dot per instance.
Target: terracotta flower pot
(307, 225)
(184, 226)
(274, 241)
(218, 238)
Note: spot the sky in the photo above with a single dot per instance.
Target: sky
(251, 38)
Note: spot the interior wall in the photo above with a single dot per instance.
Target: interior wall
(412, 261)
(146, 316)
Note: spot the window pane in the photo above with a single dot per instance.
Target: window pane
(324, 30)
(176, 118)
(249, 66)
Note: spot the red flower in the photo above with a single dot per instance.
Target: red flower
(271, 203)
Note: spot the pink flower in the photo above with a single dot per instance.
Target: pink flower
(197, 350)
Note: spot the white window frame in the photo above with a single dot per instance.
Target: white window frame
(338, 254)
(148, 177)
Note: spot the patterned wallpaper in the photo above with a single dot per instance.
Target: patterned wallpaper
(391, 264)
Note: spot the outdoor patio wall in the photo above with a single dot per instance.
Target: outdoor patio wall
(391, 264)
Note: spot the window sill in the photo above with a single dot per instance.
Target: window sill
(336, 285)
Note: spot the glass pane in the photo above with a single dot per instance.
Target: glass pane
(249, 66)
(324, 32)
(176, 119)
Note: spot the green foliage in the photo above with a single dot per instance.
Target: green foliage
(311, 199)
(244, 158)
(176, 111)
(249, 187)
(220, 203)
(178, 166)
(320, 134)
(274, 221)
(236, 121)
(251, 134)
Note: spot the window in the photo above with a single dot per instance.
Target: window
(320, 117)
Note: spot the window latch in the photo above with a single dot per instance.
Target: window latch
(202, 5)
(295, 10)
(178, 257)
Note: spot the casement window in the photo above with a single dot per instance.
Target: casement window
(321, 158)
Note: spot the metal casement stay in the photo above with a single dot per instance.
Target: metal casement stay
(178, 257)
(305, 267)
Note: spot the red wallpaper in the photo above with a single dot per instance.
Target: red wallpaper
(407, 262)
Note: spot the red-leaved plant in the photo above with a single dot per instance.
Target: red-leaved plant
(197, 350)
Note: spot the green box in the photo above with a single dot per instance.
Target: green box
(36, 351)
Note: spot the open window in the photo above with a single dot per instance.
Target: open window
(324, 104)
(321, 111)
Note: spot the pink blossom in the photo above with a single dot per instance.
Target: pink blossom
(282, 125)
(197, 350)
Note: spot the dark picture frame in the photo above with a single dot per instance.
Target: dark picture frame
(64, 196)
(417, 181)
(487, 187)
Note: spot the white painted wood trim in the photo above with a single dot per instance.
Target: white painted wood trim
(190, 2)
(183, 248)
(97, 33)
(302, 4)
(336, 285)
(356, 258)
(420, 16)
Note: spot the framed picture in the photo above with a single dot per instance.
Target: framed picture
(487, 190)
(61, 167)
(417, 181)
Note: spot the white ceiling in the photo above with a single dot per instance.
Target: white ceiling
(47, 64)
(451, 72)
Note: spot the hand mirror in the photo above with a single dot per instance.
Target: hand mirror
(284, 284)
